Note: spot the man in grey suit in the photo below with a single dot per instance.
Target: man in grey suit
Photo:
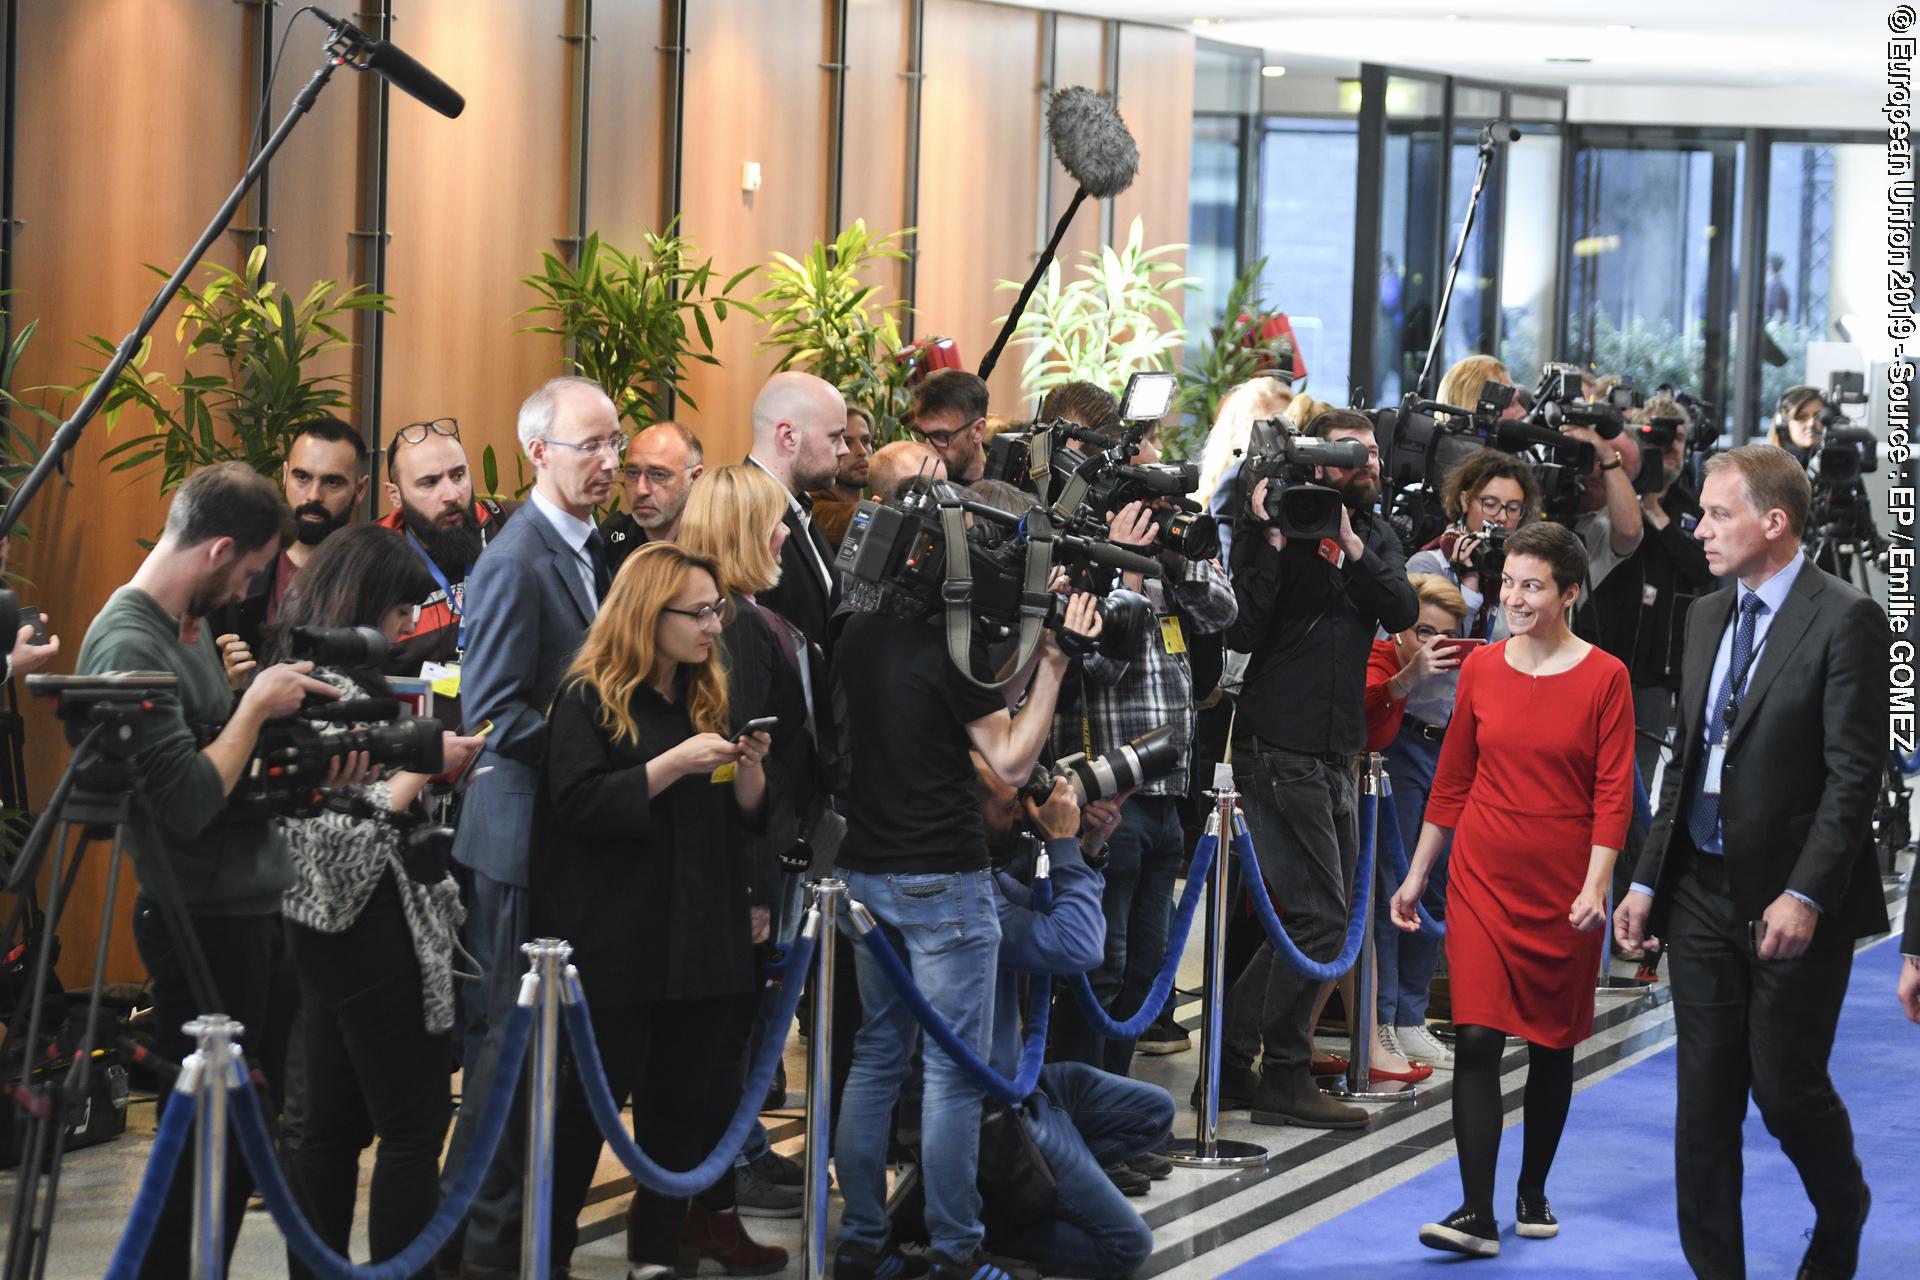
(530, 599)
(1760, 871)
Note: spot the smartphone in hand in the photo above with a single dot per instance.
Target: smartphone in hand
(759, 724)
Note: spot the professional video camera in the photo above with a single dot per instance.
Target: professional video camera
(1151, 755)
(295, 753)
(1085, 487)
(1295, 503)
(1841, 521)
(1422, 441)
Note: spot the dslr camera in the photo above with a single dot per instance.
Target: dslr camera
(1150, 756)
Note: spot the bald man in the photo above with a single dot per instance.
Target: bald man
(799, 436)
(895, 464)
(662, 463)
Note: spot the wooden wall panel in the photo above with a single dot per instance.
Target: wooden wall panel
(1156, 68)
(874, 181)
(1079, 58)
(121, 160)
(472, 203)
(755, 92)
(623, 140)
(979, 176)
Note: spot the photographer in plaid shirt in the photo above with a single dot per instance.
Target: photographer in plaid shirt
(1103, 705)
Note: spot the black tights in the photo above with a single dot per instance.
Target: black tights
(1477, 1112)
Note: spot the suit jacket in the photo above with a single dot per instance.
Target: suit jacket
(1803, 764)
(1910, 944)
(801, 597)
(527, 609)
(624, 537)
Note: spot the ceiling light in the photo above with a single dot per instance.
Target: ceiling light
(1273, 72)
(1574, 60)
(1619, 29)
(1206, 22)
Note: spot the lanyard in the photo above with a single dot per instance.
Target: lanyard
(454, 605)
(1738, 688)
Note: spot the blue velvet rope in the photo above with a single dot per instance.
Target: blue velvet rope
(606, 1113)
(1283, 946)
(1012, 1092)
(1083, 996)
(418, 1256)
(168, 1142)
(1395, 846)
(1908, 765)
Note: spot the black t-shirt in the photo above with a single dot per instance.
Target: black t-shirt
(914, 807)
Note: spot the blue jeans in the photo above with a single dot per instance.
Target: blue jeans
(1407, 960)
(1084, 1119)
(948, 928)
(1144, 857)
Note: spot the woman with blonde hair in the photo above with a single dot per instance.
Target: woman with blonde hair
(1246, 404)
(648, 795)
(1460, 387)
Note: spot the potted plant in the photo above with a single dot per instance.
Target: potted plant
(1235, 351)
(255, 346)
(1117, 318)
(820, 319)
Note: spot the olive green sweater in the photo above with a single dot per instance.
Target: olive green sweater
(229, 860)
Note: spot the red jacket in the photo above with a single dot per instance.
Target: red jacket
(1384, 711)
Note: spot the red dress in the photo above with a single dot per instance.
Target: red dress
(1535, 771)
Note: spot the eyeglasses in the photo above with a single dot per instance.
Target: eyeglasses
(938, 439)
(1424, 633)
(656, 476)
(615, 444)
(415, 432)
(720, 613)
(1491, 507)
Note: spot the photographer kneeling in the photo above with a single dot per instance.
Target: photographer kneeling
(373, 919)
(228, 861)
(1082, 1120)
(642, 828)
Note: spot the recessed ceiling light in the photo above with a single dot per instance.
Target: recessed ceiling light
(1206, 22)
(1619, 29)
(1273, 72)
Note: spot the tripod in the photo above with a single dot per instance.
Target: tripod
(97, 794)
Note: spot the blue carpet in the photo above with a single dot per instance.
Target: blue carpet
(1612, 1184)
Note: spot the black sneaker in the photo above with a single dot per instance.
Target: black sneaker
(981, 1266)
(1153, 1164)
(1533, 1216)
(1463, 1231)
(1130, 1181)
(857, 1262)
(780, 1170)
(1163, 1037)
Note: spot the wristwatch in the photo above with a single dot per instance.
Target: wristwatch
(1615, 465)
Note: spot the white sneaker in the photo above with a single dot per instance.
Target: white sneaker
(1421, 1045)
(1389, 1043)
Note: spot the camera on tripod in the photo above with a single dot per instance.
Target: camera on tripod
(1847, 450)
(295, 753)
(1146, 758)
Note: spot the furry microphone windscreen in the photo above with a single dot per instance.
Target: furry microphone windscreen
(1092, 141)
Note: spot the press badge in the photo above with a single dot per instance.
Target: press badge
(722, 775)
(444, 677)
(1171, 636)
(1716, 760)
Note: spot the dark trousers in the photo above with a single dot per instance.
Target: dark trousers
(1144, 857)
(1653, 708)
(496, 926)
(373, 1070)
(1300, 812)
(1744, 1024)
(247, 957)
(678, 1062)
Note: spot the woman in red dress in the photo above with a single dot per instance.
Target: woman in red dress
(1535, 781)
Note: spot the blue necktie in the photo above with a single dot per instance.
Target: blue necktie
(1703, 823)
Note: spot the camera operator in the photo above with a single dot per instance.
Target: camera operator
(226, 525)
(1487, 491)
(950, 417)
(371, 927)
(896, 463)
(915, 854)
(432, 507)
(1797, 424)
(1118, 700)
(1610, 523)
(1307, 618)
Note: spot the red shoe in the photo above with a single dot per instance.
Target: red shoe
(1414, 1074)
(720, 1235)
(1331, 1065)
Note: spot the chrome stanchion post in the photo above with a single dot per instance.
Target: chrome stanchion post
(1207, 1150)
(1358, 1085)
(821, 924)
(214, 1033)
(547, 958)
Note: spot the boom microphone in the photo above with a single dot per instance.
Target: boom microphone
(1094, 145)
(394, 65)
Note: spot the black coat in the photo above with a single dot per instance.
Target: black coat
(801, 597)
(653, 894)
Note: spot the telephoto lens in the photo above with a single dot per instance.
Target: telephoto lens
(1151, 755)
(354, 648)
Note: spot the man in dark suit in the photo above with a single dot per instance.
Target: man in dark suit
(799, 435)
(529, 601)
(1760, 870)
(662, 463)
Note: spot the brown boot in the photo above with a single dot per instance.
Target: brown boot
(721, 1236)
(1291, 1097)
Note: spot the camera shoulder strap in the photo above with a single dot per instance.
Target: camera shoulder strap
(957, 593)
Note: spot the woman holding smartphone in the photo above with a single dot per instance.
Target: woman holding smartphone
(644, 816)
(1535, 784)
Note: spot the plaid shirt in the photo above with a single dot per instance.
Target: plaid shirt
(1120, 700)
